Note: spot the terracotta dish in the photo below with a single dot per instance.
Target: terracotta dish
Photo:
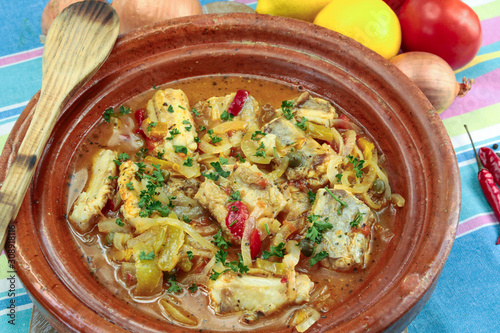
(421, 163)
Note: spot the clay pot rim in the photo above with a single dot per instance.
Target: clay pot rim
(376, 64)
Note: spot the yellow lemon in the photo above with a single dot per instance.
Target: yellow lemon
(370, 22)
(305, 10)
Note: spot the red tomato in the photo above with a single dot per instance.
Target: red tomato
(236, 217)
(255, 243)
(449, 29)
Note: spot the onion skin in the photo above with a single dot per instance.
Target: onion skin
(52, 9)
(433, 76)
(137, 13)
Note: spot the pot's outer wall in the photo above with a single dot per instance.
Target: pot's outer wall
(421, 162)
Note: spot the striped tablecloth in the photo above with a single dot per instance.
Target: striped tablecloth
(467, 297)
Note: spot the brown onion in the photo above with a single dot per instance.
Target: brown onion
(137, 13)
(433, 76)
(52, 9)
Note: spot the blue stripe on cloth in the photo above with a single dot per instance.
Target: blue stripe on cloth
(19, 301)
(11, 112)
(465, 283)
(483, 143)
(20, 29)
(467, 153)
(489, 48)
(22, 322)
(6, 293)
(13, 89)
(479, 69)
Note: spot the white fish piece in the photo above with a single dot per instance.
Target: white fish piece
(255, 296)
(100, 188)
(348, 242)
(316, 110)
(315, 157)
(171, 106)
(129, 188)
(217, 105)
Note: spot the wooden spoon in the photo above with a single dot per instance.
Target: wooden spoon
(78, 42)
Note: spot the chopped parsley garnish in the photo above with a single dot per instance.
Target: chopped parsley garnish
(202, 128)
(186, 219)
(312, 196)
(342, 203)
(144, 256)
(190, 254)
(235, 266)
(180, 149)
(155, 87)
(147, 201)
(193, 288)
(257, 135)
(181, 107)
(315, 232)
(215, 275)
(160, 154)
(235, 196)
(219, 241)
(319, 256)
(197, 139)
(339, 177)
(174, 287)
(226, 116)
(130, 185)
(141, 169)
(286, 108)
(214, 138)
(112, 177)
(223, 161)
(211, 175)
(275, 152)
(359, 217)
(119, 221)
(302, 125)
(232, 223)
(150, 126)
(188, 162)
(109, 113)
(219, 170)
(121, 158)
(242, 160)
(261, 150)
(357, 165)
(189, 126)
(277, 251)
(170, 199)
(170, 109)
(196, 113)
(173, 133)
(267, 229)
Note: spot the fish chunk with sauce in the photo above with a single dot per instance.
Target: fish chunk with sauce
(316, 110)
(312, 157)
(215, 107)
(256, 296)
(348, 242)
(100, 188)
(171, 107)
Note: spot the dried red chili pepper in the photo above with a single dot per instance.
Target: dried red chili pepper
(491, 161)
(237, 104)
(255, 243)
(490, 190)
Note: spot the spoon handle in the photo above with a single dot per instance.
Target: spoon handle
(78, 42)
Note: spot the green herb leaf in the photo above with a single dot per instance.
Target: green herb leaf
(144, 256)
(174, 287)
(339, 177)
(302, 125)
(261, 150)
(257, 135)
(186, 218)
(319, 256)
(342, 203)
(226, 116)
(119, 221)
(242, 160)
(196, 113)
(188, 162)
(286, 108)
(277, 251)
(180, 149)
(357, 165)
(312, 196)
(170, 109)
(359, 217)
(190, 254)
(121, 158)
(130, 185)
(219, 170)
(193, 288)
(219, 241)
(235, 196)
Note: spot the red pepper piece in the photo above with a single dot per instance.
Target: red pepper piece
(237, 104)
(236, 218)
(255, 243)
(491, 161)
(139, 118)
(490, 190)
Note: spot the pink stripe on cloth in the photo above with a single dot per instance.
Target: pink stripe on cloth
(18, 57)
(491, 31)
(476, 223)
(485, 92)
